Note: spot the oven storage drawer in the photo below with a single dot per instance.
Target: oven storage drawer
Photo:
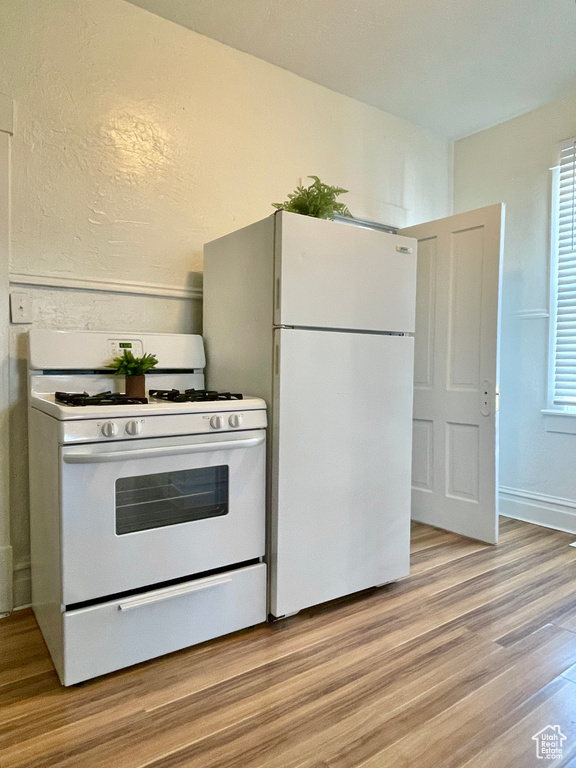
(116, 634)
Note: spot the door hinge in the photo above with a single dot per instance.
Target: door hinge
(497, 400)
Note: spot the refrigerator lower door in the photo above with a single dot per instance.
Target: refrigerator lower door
(341, 465)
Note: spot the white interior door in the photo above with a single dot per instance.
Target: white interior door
(455, 431)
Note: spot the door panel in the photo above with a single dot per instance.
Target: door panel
(423, 454)
(454, 469)
(425, 310)
(465, 309)
(333, 275)
(341, 470)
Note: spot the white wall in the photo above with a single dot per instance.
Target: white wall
(511, 163)
(6, 128)
(136, 142)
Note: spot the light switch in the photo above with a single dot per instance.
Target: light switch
(20, 308)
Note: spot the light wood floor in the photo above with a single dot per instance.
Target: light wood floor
(458, 665)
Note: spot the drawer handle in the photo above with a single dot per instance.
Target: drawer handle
(168, 450)
(169, 592)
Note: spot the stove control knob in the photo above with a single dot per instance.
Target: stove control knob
(134, 427)
(235, 420)
(109, 429)
(217, 422)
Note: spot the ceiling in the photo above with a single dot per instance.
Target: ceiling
(453, 67)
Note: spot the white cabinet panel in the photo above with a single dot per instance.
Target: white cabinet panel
(333, 275)
(341, 469)
(116, 634)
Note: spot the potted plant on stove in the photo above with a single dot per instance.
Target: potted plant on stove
(134, 370)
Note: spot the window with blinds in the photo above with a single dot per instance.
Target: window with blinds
(563, 310)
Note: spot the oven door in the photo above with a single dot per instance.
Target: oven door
(142, 512)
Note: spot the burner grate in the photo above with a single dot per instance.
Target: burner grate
(192, 395)
(169, 395)
(103, 398)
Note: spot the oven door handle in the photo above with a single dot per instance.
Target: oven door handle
(170, 592)
(168, 450)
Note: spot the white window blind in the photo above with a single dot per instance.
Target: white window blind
(564, 340)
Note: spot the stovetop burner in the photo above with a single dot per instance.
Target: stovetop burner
(169, 395)
(103, 398)
(191, 395)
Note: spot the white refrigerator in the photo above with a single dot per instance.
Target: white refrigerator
(317, 317)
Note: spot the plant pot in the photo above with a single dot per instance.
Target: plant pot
(136, 386)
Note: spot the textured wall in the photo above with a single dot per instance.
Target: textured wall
(511, 163)
(6, 126)
(137, 141)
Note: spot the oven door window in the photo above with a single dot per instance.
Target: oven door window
(169, 498)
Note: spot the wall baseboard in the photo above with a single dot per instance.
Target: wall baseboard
(6, 601)
(532, 314)
(22, 585)
(538, 508)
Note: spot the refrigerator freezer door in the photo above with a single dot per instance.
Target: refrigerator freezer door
(333, 275)
(340, 506)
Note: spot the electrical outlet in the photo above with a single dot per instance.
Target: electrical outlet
(20, 308)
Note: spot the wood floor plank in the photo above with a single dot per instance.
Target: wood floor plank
(344, 677)
(401, 603)
(570, 673)
(474, 642)
(439, 550)
(524, 603)
(436, 739)
(556, 705)
(424, 536)
(387, 697)
(567, 619)
(547, 598)
(376, 714)
(405, 732)
(24, 653)
(440, 553)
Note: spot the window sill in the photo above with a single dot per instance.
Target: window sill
(560, 421)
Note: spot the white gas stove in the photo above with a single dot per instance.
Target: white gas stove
(147, 517)
(157, 418)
